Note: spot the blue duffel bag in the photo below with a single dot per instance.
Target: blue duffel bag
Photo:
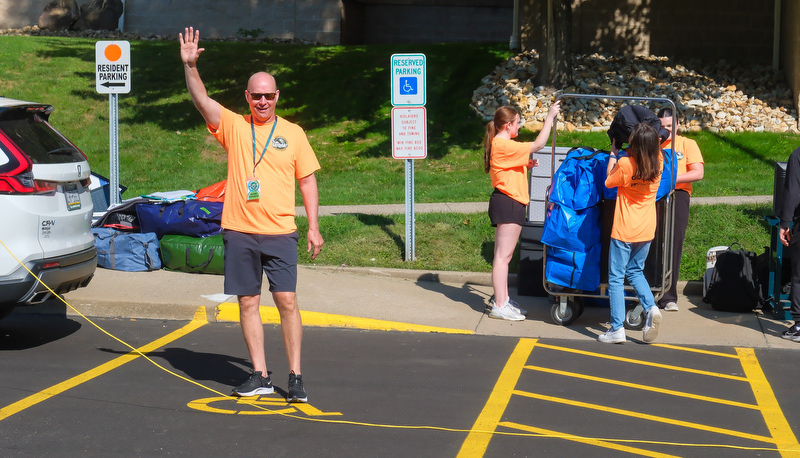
(186, 217)
(128, 251)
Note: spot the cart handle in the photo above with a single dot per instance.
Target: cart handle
(615, 97)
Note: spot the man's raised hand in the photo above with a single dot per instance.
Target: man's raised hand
(189, 40)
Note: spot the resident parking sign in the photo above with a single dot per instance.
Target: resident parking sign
(113, 67)
(408, 80)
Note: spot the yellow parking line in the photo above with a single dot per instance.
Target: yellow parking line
(644, 416)
(586, 440)
(765, 398)
(644, 363)
(695, 350)
(198, 321)
(478, 439)
(489, 420)
(637, 386)
(229, 311)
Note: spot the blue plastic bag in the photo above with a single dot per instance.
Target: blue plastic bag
(573, 230)
(574, 269)
(579, 181)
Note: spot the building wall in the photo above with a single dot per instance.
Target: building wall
(310, 20)
(734, 30)
(324, 21)
(432, 21)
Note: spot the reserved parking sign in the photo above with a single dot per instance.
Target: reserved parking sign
(408, 80)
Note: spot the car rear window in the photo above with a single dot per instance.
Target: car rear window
(38, 139)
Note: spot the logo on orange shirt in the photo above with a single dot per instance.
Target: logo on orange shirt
(280, 143)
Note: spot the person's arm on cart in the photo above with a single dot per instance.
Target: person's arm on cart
(612, 159)
(541, 139)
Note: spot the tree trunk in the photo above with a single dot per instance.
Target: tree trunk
(554, 21)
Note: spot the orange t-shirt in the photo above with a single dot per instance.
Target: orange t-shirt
(687, 152)
(509, 167)
(288, 158)
(635, 211)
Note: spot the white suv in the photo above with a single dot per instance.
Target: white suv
(45, 206)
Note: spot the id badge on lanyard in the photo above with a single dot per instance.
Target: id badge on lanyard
(253, 188)
(253, 191)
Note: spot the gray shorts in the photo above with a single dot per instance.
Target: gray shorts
(246, 255)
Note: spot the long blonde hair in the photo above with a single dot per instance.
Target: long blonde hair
(644, 146)
(502, 116)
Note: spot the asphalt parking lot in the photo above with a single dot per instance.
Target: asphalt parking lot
(70, 389)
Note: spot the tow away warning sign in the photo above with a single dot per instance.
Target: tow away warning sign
(113, 67)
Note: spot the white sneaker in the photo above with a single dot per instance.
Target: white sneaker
(651, 325)
(610, 336)
(505, 313)
(671, 307)
(510, 303)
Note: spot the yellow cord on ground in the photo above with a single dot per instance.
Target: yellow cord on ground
(549, 435)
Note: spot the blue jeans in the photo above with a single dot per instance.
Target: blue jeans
(627, 259)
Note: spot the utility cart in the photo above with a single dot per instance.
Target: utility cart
(571, 297)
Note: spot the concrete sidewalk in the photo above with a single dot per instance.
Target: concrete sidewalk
(476, 207)
(435, 301)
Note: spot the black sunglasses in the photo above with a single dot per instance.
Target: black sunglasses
(256, 96)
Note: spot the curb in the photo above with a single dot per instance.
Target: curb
(687, 288)
(126, 308)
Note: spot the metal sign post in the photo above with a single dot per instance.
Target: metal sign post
(409, 136)
(113, 141)
(410, 229)
(113, 77)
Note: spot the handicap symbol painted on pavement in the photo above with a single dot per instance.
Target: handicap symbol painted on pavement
(255, 405)
(408, 85)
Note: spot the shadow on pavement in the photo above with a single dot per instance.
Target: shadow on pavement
(214, 367)
(20, 331)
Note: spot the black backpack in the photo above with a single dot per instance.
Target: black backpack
(733, 286)
(627, 117)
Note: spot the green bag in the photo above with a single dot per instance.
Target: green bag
(193, 254)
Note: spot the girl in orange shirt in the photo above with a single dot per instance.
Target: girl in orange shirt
(507, 162)
(636, 178)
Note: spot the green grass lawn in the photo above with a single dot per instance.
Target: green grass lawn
(341, 96)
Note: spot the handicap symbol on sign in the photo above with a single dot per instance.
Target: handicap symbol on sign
(408, 85)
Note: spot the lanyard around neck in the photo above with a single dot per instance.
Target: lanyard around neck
(266, 145)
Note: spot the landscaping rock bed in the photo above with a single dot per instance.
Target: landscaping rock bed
(718, 97)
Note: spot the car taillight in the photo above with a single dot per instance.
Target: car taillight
(23, 183)
(45, 187)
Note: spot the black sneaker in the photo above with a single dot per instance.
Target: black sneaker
(296, 391)
(792, 333)
(254, 385)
